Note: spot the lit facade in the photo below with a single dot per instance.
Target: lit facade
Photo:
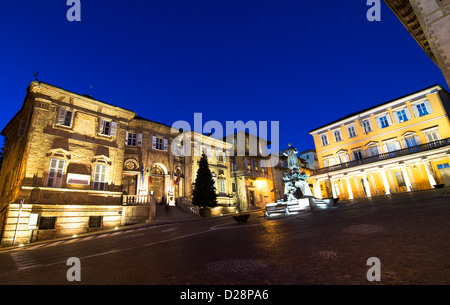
(252, 183)
(218, 162)
(73, 164)
(428, 22)
(310, 157)
(399, 146)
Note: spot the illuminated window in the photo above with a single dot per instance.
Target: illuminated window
(372, 151)
(442, 166)
(65, 116)
(400, 180)
(358, 154)
(351, 131)
(160, 143)
(422, 109)
(431, 134)
(337, 135)
(384, 122)
(366, 126)
(99, 177)
(107, 127)
(324, 139)
(222, 186)
(55, 173)
(411, 142)
(402, 117)
(132, 139)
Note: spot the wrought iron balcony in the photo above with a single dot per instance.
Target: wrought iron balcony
(384, 156)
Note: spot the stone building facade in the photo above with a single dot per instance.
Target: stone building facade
(63, 161)
(252, 182)
(219, 164)
(428, 22)
(74, 164)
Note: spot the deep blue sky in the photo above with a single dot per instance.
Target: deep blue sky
(302, 63)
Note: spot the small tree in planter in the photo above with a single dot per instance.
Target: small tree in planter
(204, 193)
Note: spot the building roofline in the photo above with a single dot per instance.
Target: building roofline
(404, 11)
(437, 87)
(81, 95)
(139, 118)
(308, 150)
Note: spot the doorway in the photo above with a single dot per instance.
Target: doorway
(129, 184)
(251, 198)
(444, 171)
(157, 187)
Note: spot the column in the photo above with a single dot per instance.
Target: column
(169, 191)
(385, 182)
(374, 184)
(367, 186)
(333, 190)
(317, 191)
(349, 188)
(359, 193)
(406, 177)
(429, 174)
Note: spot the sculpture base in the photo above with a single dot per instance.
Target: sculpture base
(307, 203)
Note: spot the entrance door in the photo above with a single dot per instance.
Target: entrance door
(444, 171)
(129, 184)
(251, 199)
(157, 186)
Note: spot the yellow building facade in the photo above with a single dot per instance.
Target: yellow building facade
(399, 146)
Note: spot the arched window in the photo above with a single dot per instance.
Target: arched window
(157, 170)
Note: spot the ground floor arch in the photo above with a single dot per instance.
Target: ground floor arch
(157, 182)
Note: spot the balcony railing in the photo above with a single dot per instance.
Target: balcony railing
(384, 156)
(136, 199)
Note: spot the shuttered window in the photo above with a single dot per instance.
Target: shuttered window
(107, 127)
(159, 143)
(55, 173)
(422, 108)
(99, 177)
(65, 116)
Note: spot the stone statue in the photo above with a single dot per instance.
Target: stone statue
(295, 184)
(291, 153)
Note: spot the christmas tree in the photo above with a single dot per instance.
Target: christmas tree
(204, 194)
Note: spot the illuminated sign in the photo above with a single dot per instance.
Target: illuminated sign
(78, 179)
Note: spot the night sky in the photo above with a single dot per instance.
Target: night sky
(302, 63)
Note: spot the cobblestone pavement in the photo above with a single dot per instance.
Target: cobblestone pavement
(409, 234)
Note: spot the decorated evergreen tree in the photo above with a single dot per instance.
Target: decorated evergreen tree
(204, 193)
